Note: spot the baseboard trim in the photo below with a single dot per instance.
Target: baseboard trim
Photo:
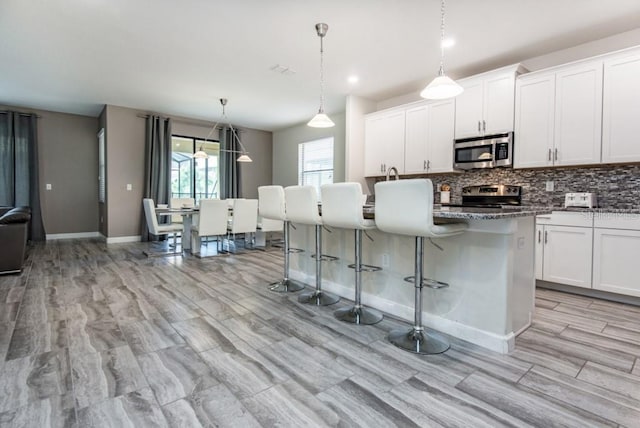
(122, 239)
(495, 342)
(80, 235)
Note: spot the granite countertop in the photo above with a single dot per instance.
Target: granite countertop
(473, 213)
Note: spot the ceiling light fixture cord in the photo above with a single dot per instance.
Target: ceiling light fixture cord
(441, 72)
(321, 74)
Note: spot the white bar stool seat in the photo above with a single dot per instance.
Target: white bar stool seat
(271, 205)
(405, 207)
(302, 207)
(342, 208)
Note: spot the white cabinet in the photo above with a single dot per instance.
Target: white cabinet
(621, 109)
(567, 255)
(615, 260)
(416, 139)
(616, 251)
(384, 142)
(486, 105)
(558, 117)
(564, 242)
(578, 115)
(429, 138)
(534, 121)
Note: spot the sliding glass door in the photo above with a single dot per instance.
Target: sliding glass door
(192, 177)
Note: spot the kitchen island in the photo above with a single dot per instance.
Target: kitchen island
(490, 270)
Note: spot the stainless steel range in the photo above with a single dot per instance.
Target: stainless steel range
(490, 196)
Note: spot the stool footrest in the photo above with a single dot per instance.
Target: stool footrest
(325, 258)
(295, 250)
(428, 282)
(286, 286)
(365, 268)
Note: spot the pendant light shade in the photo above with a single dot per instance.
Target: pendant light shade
(321, 120)
(441, 87)
(200, 154)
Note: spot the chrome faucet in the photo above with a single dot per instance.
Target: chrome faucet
(395, 171)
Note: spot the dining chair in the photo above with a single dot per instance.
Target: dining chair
(159, 230)
(180, 203)
(244, 219)
(212, 221)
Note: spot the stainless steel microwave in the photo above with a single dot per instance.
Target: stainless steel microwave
(489, 151)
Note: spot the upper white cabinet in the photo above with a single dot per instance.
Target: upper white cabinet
(486, 105)
(558, 117)
(578, 115)
(416, 139)
(534, 121)
(384, 142)
(621, 109)
(429, 138)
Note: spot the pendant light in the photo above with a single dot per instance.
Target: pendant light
(321, 120)
(244, 155)
(441, 87)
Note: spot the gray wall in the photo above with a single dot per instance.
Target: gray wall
(285, 149)
(125, 137)
(68, 160)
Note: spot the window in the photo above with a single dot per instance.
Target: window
(315, 163)
(102, 176)
(194, 178)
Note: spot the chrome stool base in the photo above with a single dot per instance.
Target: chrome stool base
(419, 341)
(286, 286)
(358, 315)
(318, 298)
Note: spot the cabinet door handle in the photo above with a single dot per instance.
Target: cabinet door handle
(425, 165)
(546, 236)
(539, 236)
(549, 157)
(484, 125)
(428, 165)
(555, 156)
(478, 126)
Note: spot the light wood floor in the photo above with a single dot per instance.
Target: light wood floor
(94, 335)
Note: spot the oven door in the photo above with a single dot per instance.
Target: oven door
(473, 154)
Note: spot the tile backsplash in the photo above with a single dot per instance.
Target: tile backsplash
(617, 186)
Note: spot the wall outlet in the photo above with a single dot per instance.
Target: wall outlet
(129, 187)
(48, 186)
(385, 260)
(549, 186)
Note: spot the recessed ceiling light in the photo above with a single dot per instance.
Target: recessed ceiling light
(448, 42)
(353, 79)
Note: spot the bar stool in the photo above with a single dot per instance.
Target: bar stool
(271, 205)
(302, 207)
(342, 207)
(405, 207)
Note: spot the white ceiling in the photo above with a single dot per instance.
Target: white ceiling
(179, 57)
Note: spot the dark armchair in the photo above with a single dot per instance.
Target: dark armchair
(14, 223)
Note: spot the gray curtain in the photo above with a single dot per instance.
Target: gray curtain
(230, 182)
(19, 183)
(157, 166)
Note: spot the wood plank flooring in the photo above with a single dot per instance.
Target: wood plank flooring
(101, 336)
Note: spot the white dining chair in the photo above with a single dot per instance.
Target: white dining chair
(160, 230)
(180, 203)
(244, 220)
(212, 221)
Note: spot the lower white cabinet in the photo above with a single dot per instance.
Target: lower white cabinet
(579, 249)
(567, 255)
(616, 253)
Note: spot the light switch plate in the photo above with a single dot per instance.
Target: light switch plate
(549, 186)
(48, 186)
(129, 187)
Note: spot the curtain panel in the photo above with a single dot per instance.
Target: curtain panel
(157, 167)
(230, 177)
(19, 177)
